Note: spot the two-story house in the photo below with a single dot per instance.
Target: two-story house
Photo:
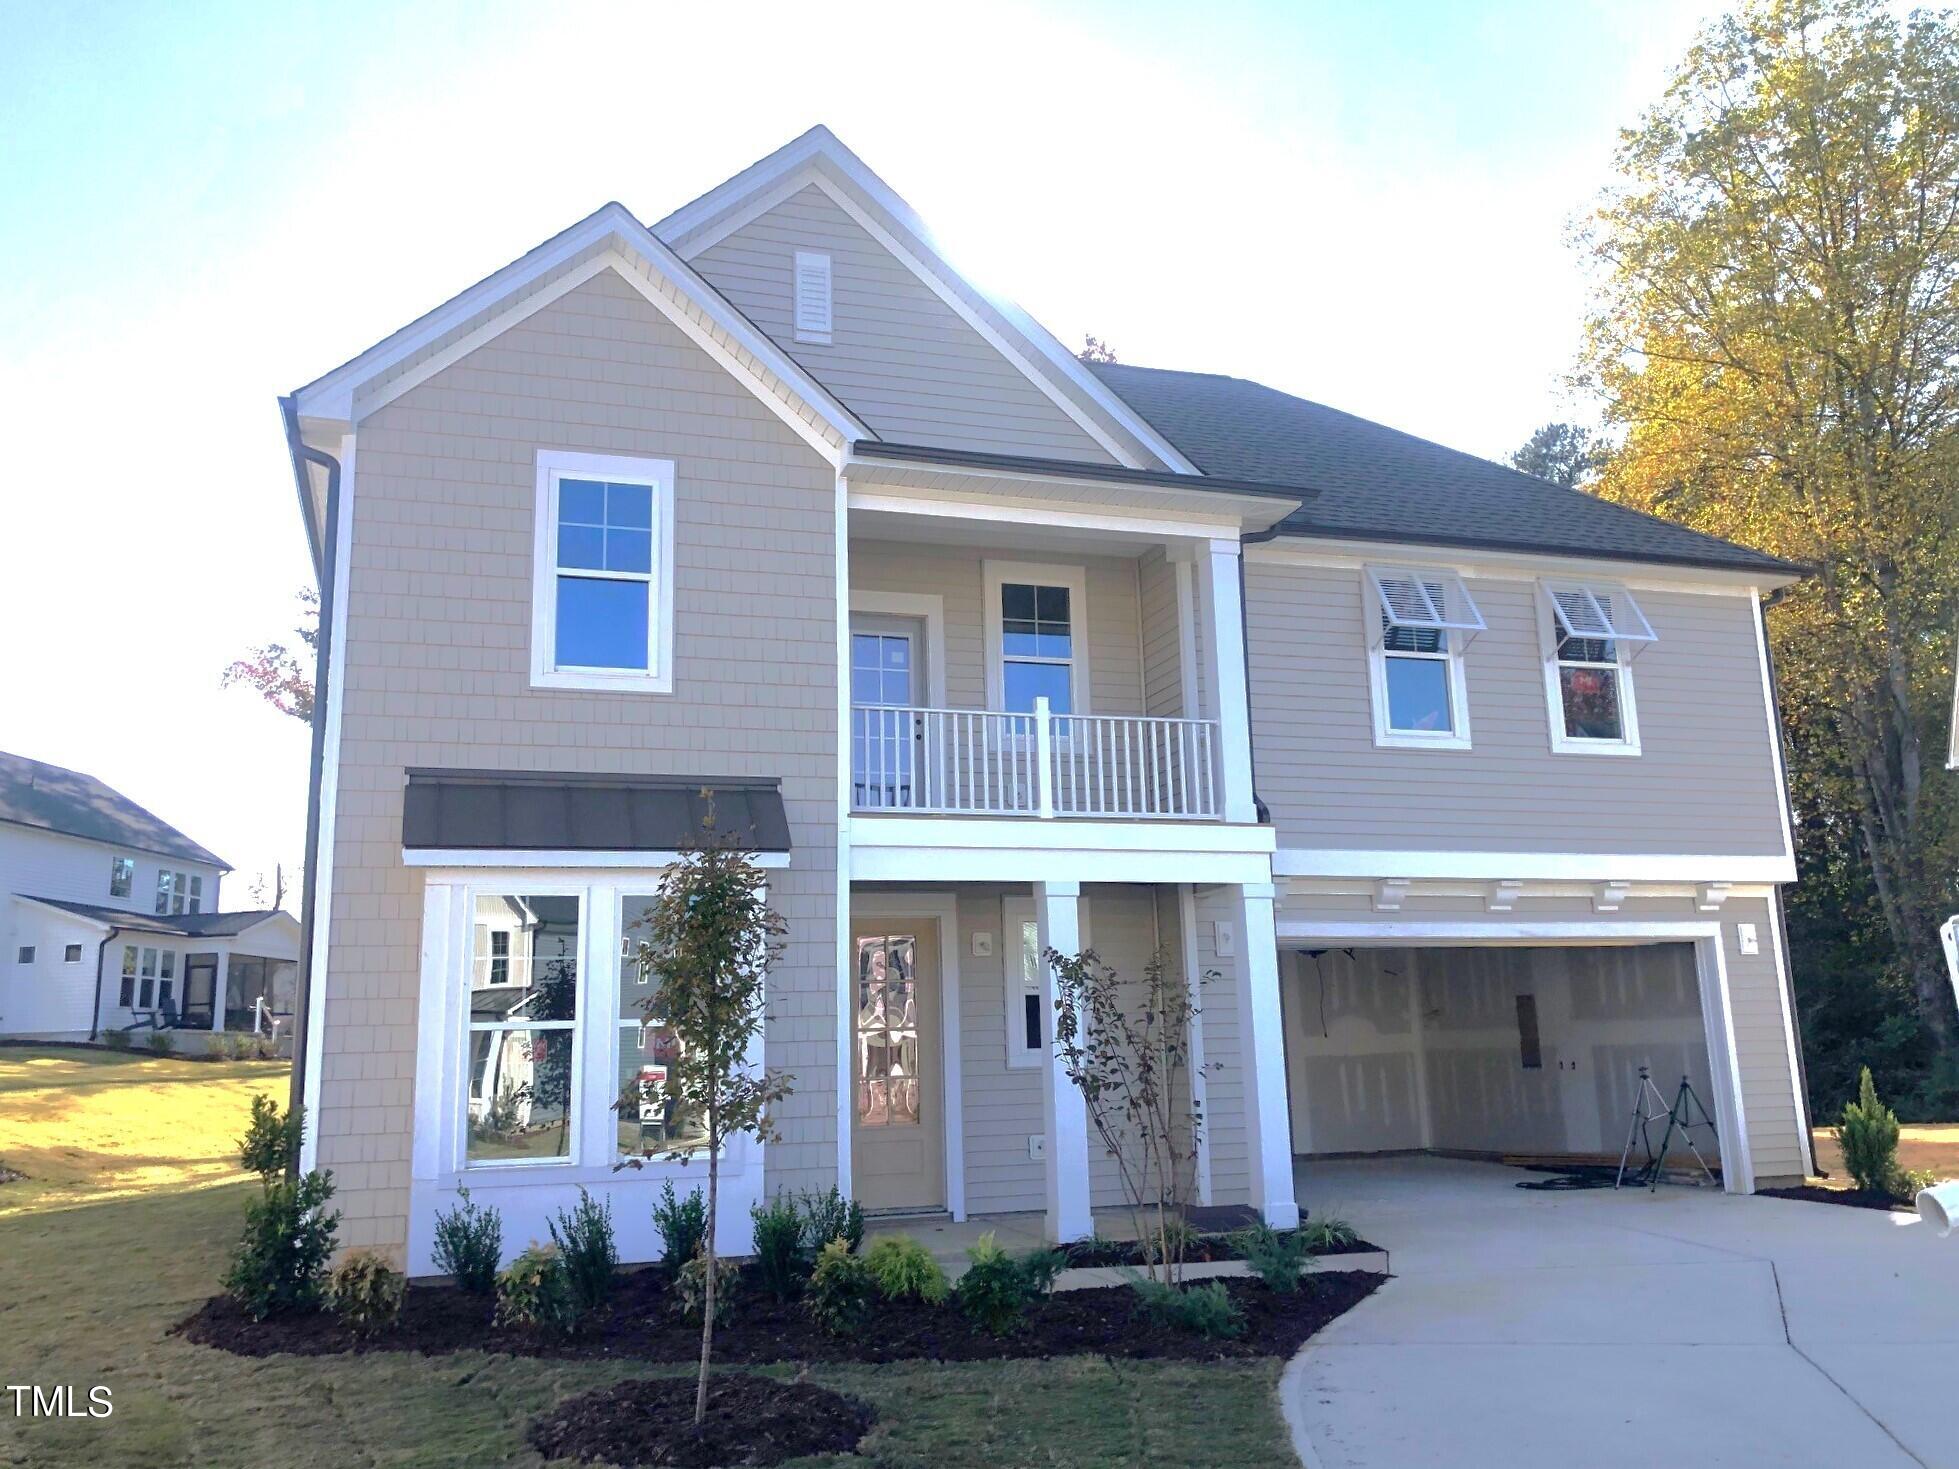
(1457, 795)
(113, 921)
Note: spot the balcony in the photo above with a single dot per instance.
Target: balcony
(975, 762)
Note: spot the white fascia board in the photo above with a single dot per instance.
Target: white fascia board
(1490, 565)
(337, 395)
(969, 864)
(807, 159)
(475, 859)
(1141, 515)
(1112, 839)
(1526, 866)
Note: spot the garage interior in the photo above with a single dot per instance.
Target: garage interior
(1487, 1051)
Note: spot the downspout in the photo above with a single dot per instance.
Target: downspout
(326, 545)
(1781, 914)
(101, 952)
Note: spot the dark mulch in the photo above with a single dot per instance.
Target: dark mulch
(1854, 1198)
(750, 1420)
(641, 1325)
(1203, 1250)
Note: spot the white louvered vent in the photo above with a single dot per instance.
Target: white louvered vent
(1429, 600)
(1599, 610)
(813, 297)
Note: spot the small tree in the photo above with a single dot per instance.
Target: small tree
(1128, 1050)
(711, 938)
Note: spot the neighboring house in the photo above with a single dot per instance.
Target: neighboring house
(1464, 788)
(113, 921)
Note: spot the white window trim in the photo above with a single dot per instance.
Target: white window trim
(553, 464)
(118, 866)
(815, 335)
(1386, 737)
(1014, 914)
(1548, 639)
(994, 575)
(71, 949)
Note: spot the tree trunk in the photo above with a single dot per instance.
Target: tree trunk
(707, 1245)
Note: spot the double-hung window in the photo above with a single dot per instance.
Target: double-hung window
(122, 876)
(523, 1029)
(1419, 622)
(602, 596)
(177, 892)
(1591, 632)
(1035, 625)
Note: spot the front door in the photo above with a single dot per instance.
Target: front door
(884, 688)
(898, 1131)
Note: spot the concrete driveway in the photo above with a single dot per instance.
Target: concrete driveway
(1597, 1329)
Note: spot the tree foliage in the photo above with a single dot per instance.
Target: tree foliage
(1776, 331)
(711, 939)
(282, 675)
(1094, 349)
(1564, 453)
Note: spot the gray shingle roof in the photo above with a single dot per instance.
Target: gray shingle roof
(46, 796)
(1377, 483)
(186, 925)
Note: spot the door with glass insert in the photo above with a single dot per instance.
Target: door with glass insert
(885, 733)
(898, 1113)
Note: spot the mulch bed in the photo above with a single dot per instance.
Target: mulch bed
(641, 1325)
(1853, 1198)
(750, 1420)
(1205, 1249)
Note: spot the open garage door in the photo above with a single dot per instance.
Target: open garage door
(1486, 1049)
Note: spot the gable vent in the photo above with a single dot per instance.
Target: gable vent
(813, 297)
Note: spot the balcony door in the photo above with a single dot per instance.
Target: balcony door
(886, 684)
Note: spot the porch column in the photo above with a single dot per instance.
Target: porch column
(218, 984)
(1064, 1115)
(1268, 1122)
(1230, 703)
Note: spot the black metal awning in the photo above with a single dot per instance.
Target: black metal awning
(556, 811)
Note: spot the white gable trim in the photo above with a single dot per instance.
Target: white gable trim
(761, 187)
(644, 263)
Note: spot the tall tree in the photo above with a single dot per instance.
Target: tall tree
(1563, 453)
(1777, 331)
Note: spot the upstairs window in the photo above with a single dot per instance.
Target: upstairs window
(1592, 631)
(1419, 623)
(174, 893)
(1034, 633)
(813, 316)
(602, 600)
(122, 877)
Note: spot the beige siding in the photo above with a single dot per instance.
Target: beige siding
(1115, 655)
(1162, 621)
(1224, 1052)
(1754, 986)
(1704, 784)
(900, 358)
(437, 674)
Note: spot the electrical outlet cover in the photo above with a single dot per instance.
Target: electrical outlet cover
(982, 946)
(1746, 940)
(1037, 1145)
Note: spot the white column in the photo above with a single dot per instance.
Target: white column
(219, 985)
(1268, 1125)
(1224, 629)
(1057, 911)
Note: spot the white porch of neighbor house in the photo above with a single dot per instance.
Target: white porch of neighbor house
(956, 1104)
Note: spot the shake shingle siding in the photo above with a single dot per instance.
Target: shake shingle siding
(437, 675)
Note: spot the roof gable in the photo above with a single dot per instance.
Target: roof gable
(50, 798)
(819, 158)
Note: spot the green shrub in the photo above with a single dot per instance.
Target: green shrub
(162, 1043)
(116, 1040)
(842, 1291)
(280, 1263)
(1275, 1258)
(228, 1045)
(828, 1216)
(366, 1292)
(1203, 1310)
(1328, 1234)
(994, 1291)
(1175, 1233)
(682, 1224)
(469, 1244)
(536, 1293)
(905, 1270)
(1039, 1269)
(1906, 1182)
(589, 1252)
(781, 1262)
(270, 1146)
(690, 1288)
(1868, 1136)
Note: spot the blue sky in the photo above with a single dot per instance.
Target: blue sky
(205, 206)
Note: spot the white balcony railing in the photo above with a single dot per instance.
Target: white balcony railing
(977, 762)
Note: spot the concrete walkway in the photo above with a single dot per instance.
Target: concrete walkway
(1598, 1329)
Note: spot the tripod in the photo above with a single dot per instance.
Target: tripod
(1650, 1107)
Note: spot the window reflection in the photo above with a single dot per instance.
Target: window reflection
(887, 1031)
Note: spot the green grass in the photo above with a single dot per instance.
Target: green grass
(88, 1293)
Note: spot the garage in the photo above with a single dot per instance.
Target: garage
(1488, 1050)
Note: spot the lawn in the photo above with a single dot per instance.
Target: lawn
(1933, 1146)
(88, 1291)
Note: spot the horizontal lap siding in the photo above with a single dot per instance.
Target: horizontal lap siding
(900, 358)
(437, 674)
(1156, 582)
(1224, 1052)
(1704, 783)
